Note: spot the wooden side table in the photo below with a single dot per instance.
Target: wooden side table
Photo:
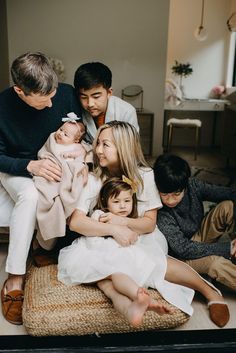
(146, 123)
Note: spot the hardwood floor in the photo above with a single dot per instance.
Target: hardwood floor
(207, 157)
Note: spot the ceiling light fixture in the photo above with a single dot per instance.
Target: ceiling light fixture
(200, 32)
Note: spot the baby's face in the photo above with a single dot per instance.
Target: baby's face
(68, 133)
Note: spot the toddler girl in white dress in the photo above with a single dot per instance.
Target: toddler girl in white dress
(90, 259)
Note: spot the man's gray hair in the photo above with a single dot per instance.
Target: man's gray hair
(33, 73)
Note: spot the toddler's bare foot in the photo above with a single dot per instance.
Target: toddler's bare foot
(156, 306)
(159, 308)
(138, 308)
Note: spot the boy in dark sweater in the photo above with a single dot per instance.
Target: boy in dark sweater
(29, 111)
(192, 236)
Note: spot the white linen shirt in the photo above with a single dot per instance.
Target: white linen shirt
(117, 109)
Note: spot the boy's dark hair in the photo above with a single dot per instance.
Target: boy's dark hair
(33, 73)
(92, 74)
(171, 173)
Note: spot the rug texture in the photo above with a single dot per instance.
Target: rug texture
(53, 309)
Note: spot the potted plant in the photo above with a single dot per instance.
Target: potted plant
(181, 70)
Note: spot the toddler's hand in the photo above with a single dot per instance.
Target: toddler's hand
(124, 236)
(113, 219)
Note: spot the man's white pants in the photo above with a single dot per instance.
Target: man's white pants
(18, 203)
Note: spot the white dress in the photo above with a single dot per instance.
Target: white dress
(94, 258)
(90, 259)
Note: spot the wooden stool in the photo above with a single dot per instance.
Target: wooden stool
(184, 123)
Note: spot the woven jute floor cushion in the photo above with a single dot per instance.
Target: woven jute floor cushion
(53, 309)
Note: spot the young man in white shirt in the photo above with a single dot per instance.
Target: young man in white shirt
(92, 83)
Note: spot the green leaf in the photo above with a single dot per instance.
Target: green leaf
(181, 69)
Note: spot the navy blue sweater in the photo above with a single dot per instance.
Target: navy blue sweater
(24, 130)
(180, 223)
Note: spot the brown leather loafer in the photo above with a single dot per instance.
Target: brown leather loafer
(219, 313)
(12, 305)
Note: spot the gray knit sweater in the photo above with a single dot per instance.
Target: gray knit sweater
(178, 224)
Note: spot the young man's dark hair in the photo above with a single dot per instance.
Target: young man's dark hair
(92, 82)
(91, 75)
(171, 173)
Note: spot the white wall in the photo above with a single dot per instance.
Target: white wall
(130, 36)
(208, 58)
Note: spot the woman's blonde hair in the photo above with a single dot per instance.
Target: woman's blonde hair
(129, 150)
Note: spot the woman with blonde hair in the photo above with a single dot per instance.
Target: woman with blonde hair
(118, 152)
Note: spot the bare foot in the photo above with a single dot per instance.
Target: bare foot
(138, 307)
(159, 308)
(14, 282)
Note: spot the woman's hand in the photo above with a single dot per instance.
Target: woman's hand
(84, 173)
(123, 235)
(113, 219)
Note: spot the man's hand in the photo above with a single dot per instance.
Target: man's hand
(123, 235)
(113, 219)
(46, 169)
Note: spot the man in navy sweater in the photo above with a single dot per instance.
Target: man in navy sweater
(29, 111)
